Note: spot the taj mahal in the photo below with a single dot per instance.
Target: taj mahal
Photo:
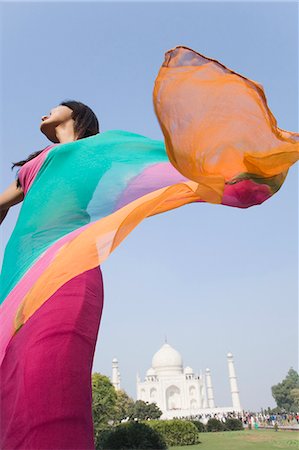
(178, 391)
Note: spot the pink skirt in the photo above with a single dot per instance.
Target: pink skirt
(46, 395)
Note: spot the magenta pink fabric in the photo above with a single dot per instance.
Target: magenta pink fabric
(46, 395)
(29, 170)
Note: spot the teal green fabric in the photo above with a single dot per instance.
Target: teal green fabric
(78, 183)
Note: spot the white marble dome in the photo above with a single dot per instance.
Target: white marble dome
(167, 360)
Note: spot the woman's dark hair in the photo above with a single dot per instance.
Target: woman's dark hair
(85, 124)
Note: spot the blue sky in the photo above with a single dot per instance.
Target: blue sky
(213, 279)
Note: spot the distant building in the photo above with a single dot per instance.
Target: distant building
(179, 391)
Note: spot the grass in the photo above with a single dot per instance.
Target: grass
(246, 440)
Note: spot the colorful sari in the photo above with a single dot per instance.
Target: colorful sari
(221, 145)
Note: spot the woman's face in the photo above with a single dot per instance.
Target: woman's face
(57, 116)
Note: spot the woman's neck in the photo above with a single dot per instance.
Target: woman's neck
(65, 133)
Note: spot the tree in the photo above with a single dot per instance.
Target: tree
(124, 406)
(284, 393)
(295, 396)
(144, 410)
(103, 403)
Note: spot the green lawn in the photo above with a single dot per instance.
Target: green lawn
(246, 440)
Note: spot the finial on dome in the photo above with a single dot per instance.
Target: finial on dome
(165, 339)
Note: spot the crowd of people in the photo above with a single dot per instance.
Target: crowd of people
(264, 419)
(252, 419)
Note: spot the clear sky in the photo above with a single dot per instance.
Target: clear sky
(213, 279)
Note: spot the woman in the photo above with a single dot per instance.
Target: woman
(222, 145)
(55, 411)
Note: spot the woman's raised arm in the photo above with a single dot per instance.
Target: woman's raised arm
(11, 196)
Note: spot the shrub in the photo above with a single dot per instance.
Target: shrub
(176, 431)
(143, 411)
(199, 425)
(215, 425)
(131, 435)
(233, 424)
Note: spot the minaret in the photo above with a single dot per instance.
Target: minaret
(202, 391)
(210, 393)
(115, 375)
(205, 399)
(233, 383)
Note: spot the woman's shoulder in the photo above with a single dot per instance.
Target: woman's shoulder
(27, 172)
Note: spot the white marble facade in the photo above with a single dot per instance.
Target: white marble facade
(178, 391)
